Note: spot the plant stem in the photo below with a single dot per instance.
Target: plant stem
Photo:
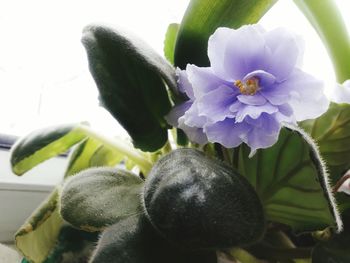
(269, 252)
(119, 146)
(325, 17)
(243, 256)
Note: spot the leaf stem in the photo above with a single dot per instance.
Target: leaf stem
(325, 17)
(120, 147)
(243, 256)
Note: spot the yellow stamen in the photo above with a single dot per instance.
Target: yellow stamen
(250, 87)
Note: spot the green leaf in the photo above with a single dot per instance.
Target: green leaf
(134, 240)
(38, 235)
(104, 195)
(292, 182)
(92, 153)
(335, 250)
(131, 78)
(72, 245)
(42, 145)
(203, 17)
(328, 22)
(331, 132)
(169, 42)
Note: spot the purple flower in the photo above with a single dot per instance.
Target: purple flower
(341, 92)
(251, 88)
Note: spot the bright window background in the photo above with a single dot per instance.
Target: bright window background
(44, 77)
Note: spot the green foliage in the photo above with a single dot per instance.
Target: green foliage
(169, 42)
(220, 207)
(331, 132)
(105, 196)
(291, 181)
(42, 145)
(73, 246)
(38, 235)
(336, 249)
(134, 240)
(203, 17)
(130, 78)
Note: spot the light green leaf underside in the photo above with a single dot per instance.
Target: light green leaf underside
(104, 195)
(169, 42)
(38, 235)
(331, 132)
(291, 183)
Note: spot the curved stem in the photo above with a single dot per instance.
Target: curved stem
(243, 256)
(121, 147)
(325, 17)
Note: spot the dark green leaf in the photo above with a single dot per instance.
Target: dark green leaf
(43, 144)
(134, 240)
(291, 182)
(36, 238)
(337, 249)
(203, 17)
(169, 42)
(98, 197)
(331, 132)
(72, 246)
(220, 207)
(130, 77)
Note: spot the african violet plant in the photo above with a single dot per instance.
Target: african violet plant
(224, 164)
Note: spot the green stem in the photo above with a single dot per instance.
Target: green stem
(119, 146)
(243, 256)
(274, 253)
(325, 17)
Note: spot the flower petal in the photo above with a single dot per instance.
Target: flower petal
(203, 80)
(192, 117)
(235, 53)
(184, 85)
(341, 93)
(176, 112)
(193, 133)
(227, 132)
(215, 105)
(307, 96)
(285, 52)
(265, 79)
(256, 99)
(254, 112)
(263, 133)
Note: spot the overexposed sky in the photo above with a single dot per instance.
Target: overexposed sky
(44, 77)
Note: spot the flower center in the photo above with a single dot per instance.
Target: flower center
(250, 87)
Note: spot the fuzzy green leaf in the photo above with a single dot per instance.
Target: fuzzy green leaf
(134, 240)
(37, 237)
(203, 17)
(291, 182)
(331, 132)
(131, 78)
(42, 145)
(104, 195)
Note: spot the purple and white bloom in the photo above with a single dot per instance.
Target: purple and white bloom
(341, 92)
(252, 87)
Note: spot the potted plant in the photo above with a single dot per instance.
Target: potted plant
(236, 155)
